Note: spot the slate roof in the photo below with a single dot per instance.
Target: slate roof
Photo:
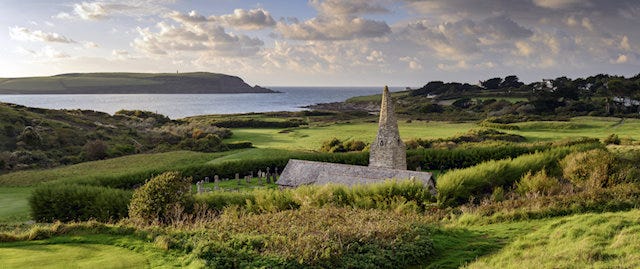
(299, 172)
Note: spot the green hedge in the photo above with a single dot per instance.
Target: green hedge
(254, 123)
(69, 202)
(459, 186)
(389, 195)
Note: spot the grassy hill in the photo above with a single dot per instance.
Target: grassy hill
(122, 83)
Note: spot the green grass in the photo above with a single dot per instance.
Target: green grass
(113, 167)
(88, 251)
(13, 204)
(580, 126)
(609, 240)
(311, 138)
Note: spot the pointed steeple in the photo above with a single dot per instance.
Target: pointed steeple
(388, 150)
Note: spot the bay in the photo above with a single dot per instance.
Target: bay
(184, 105)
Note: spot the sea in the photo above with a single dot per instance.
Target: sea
(177, 106)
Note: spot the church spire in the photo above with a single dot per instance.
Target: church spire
(388, 150)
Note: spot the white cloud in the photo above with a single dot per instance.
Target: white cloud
(624, 43)
(248, 19)
(25, 34)
(90, 44)
(171, 39)
(103, 9)
(557, 4)
(622, 58)
(335, 8)
(46, 52)
(337, 20)
(412, 62)
(333, 29)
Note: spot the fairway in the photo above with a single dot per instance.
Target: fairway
(33, 255)
(311, 138)
(14, 206)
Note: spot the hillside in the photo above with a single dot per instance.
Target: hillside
(128, 83)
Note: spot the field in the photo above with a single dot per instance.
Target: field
(13, 204)
(311, 138)
(258, 235)
(118, 166)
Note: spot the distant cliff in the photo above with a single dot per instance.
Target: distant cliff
(123, 83)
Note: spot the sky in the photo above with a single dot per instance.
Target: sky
(324, 42)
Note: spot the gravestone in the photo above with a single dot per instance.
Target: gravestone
(200, 186)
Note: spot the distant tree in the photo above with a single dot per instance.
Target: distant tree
(511, 82)
(491, 84)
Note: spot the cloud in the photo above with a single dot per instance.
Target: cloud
(412, 62)
(25, 34)
(622, 58)
(333, 29)
(100, 10)
(461, 39)
(557, 4)
(337, 20)
(253, 19)
(90, 44)
(249, 20)
(46, 52)
(170, 39)
(336, 8)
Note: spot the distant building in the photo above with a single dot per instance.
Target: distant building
(388, 160)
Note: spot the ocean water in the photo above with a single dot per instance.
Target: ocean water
(184, 105)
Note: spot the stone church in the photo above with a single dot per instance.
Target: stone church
(387, 160)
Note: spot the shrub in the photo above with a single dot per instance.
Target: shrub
(335, 145)
(612, 139)
(590, 169)
(69, 202)
(538, 183)
(459, 186)
(94, 150)
(153, 201)
(239, 145)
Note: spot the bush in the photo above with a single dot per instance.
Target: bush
(459, 186)
(155, 199)
(612, 139)
(254, 123)
(239, 145)
(94, 150)
(590, 169)
(538, 183)
(69, 202)
(405, 195)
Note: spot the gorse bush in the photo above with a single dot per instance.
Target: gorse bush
(153, 201)
(66, 202)
(538, 183)
(589, 169)
(326, 237)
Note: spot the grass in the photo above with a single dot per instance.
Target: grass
(311, 138)
(114, 167)
(13, 204)
(609, 240)
(88, 251)
(579, 126)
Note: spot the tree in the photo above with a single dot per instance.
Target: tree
(491, 84)
(511, 82)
